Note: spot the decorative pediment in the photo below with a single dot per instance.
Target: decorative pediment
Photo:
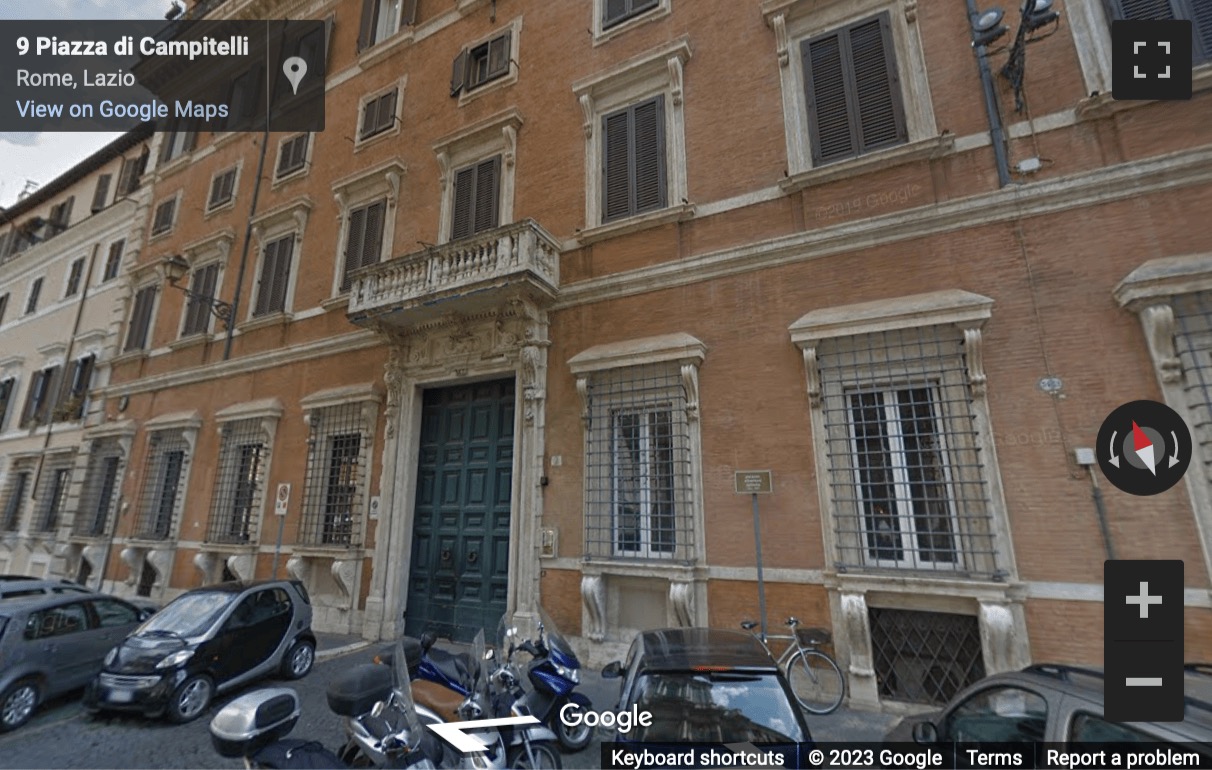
(382, 179)
(291, 216)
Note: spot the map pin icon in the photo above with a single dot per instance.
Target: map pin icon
(294, 68)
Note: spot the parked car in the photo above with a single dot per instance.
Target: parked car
(705, 685)
(207, 641)
(19, 586)
(54, 643)
(1056, 704)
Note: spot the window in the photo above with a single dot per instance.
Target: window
(480, 64)
(852, 89)
(1199, 12)
(60, 216)
(275, 276)
(101, 193)
(244, 99)
(162, 484)
(57, 621)
(477, 194)
(98, 493)
(633, 160)
(55, 482)
(73, 405)
(132, 171)
(222, 189)
(292, 155)
(1088, 728)
(15, 499)
(7, 388)
(38, 401)
(166, 213)
(112, 613)
(378, 114)
(73, 278)
(236, 503)
(203, 284)
(617, 11)
(176, 143)
(642, 476)
(333, 499)
(3, 306)
(113, 262)
(140, 319)
(382, 18)
(364, 240)
(998, 715)
(31, 302)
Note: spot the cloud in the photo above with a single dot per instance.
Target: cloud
(22, 138)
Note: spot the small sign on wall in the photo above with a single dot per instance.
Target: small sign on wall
(282, 501)
(754, 482)
(374, 508)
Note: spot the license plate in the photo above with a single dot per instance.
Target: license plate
(121, 696)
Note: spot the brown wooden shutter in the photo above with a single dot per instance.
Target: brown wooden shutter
(65, 211)
(370, 19)
(6, 398)
(35, 292)
(140, 319)
(458, 73)
(464, 201)
(498, 56)
(1142, 10)
(488, 189)
(370, 118)
(408, 13)
(3, 306)
(113, 263)
(353, 244)
(830, 121)
(387, 111)
(372, 241)
(616, 166)
(877, 90)
(281, 274)
(31, 398)
(49, 403)
(648, 148)
(1200, 13)
(101, 193)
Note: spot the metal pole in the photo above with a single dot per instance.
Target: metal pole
(996, 131)
(757, 538)
(1097, 493)
(278, 545)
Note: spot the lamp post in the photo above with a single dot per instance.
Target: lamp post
(176, 268)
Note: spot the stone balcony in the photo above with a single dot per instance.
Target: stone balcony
(463, 277)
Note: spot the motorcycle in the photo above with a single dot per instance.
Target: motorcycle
(254, 726)
(553, 672)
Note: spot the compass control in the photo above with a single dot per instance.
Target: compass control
(1144, 448)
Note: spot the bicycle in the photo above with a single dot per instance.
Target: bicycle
(815, 678)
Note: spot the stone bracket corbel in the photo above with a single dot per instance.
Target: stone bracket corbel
(587, 113)
(675, 79)
(205, 563)
(593, 598)
(782, 43)
(583, 392)
(812, 372)
(344, 574)
(681, 601)
(299, 567)
(690, 381)
(974, 359)
(1158, 322)
(510, 136)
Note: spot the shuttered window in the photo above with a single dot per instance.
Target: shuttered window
(383, 18)
(113, 262)
(132, 171)
(35, 291)
(202, 294)
(1199, 12)
(140, 319)
(61, 215)
(633, 161)
(74, 277)
(165, 213)
(222, 188)
(3, 306)
(101, 193)
(364, 242)
(292, 155)
(38, 401)
(854, 95)
(7, 386)
(476, 198)
(617, 11)
(74, 393)
(378, 114)
(275, 275)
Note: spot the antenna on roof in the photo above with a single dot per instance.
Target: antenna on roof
(30, 186)
(175, 11)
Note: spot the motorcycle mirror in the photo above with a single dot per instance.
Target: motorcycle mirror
(488, 654)
(377, 711)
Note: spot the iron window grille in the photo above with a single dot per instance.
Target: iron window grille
(113, 262)
(924, 657)
(1193, 343)
(637, 466)
(334, 491)
(906, 475)
(56, 480)
(14, 498)
(168, 460)
(239, 486)
(99, 492)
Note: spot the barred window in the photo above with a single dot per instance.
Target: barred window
(637, 465)
(1193, 343)
(334, 492)
(905, 472)
(14, 495)
(167, 465)
(56, 479)
(100, 488)
(236, 502)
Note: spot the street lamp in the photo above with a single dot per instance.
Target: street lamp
(176, 268)
(1034, 14)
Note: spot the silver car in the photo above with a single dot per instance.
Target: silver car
(54, 643)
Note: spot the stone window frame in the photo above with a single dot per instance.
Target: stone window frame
(601, 33)
(514, 29)
(187, 424)
(398, 85)
(495, 135)
(119, 435)
(370, 398)
(148, 275)
(267, 413)
(307, 156)
(288, 219)
(155, 235)
(1149, 292)
(965, 311)
(237, 168)
(214, 249)
(794, 21)
(658, 71)
(380, 181)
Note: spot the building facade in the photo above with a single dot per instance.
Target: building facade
(62, 253)
(502, 333)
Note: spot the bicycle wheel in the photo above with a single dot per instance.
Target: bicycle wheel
(816, 681)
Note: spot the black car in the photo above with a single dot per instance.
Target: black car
(706, 685)
(207, 641)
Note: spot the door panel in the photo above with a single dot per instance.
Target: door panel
(460, 551)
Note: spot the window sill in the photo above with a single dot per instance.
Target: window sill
(232, 548)
(922, 149)
(280, 318)
(223, 138)
(153, 237)
(193, 340)
(173, 166)
(339, 302)
(654, 569)
(370, 141)
(381, 49)
(1102, 105)
(225, 206)
(466, 97)
(636, 224)
(342, 552)
(128, 356)
(299, 173)
(640, 19)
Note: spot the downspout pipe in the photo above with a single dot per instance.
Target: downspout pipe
(997, 132)
(252, 213)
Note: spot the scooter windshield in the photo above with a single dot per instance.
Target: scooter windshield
(403, 692)
(556, 642)
(478, 652)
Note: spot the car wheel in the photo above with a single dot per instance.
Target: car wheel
(191, 699)
(17, 704)
(298, 660)
(546, 757)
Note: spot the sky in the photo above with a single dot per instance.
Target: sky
(40, 157)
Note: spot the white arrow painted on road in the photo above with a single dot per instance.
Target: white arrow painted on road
(455, 733)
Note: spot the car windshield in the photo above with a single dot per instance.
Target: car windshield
(188, 615)
(716, 707)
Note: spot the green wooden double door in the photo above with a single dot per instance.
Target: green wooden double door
(459, 571)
